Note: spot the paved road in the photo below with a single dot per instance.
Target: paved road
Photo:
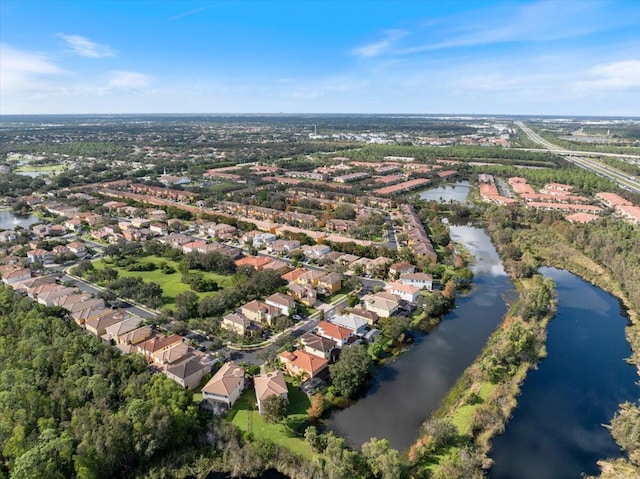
(391, 243)
(625, 181)
(95, 290)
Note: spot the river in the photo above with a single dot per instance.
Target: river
(406, 391)
(454, 192)
(9, 221)
(556, 431)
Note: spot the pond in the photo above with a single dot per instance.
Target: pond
(557, 429)
(9, 220)
(406, 391)
(445, 193)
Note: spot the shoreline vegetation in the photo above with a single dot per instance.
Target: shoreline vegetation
(456, 440)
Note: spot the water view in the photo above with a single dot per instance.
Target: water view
(557, 429)
(9, 220)
(455, 192)
(405, 392)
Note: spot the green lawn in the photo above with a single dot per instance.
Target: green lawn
(246, 417)
(171, 283)
(41, 168)
(462, 416)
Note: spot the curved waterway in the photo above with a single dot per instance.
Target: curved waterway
(556, 431)
(406, 391)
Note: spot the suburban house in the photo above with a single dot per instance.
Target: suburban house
(282, 246)
(330, 283)
(156, 343)
(222, 230)
(310, 277)
(192, 246)
(278, 266)
(97, 325)
(383, 304)
(318, 346)
(77, 248)
(401, 268)
(421, 280)
(269, 384)
(226, 385)
(46, 294)
(159, 228)
(127, 342)
(256, 262)
(316, 251)
(238, 324)
(369, 316)
(262, 239)
(339, 335)
(259, 311)
(16, 276)
(39, 256)
(353, 323)
(173, 354)
(301, 362)
(403, 291)
(286, 304)
(189, 371)
(305, 294)
(116, 330)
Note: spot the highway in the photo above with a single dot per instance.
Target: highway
(622, 179)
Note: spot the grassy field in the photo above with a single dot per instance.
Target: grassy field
(41, 169)
(462, 416)
(171, 283)
(246, 417)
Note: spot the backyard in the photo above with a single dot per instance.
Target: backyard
(244, 414)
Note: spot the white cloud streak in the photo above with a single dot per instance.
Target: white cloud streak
(84, 47)
(613, 76)
(190, 12)
(128, 80)
(22, 70)
(375, 49)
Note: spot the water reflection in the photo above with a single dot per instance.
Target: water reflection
(556, 432)
(456, 192)
(404, 393)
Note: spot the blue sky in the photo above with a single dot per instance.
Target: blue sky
(526, 57)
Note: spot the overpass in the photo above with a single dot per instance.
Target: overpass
(578, 158)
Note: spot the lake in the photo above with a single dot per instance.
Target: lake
(9, 220)
(445, 193)
(405, 392)
(556, 431)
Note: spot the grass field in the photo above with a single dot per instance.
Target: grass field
(246, 417)
(462, 416)
(41, 169)
(170, 283)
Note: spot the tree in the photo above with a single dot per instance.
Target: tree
(383, 461)
(275, 408)
(349, 375)
(316, 408)
(186, 305)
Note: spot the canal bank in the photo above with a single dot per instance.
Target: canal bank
(556, 431)
(405, 392)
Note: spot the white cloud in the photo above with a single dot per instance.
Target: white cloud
(22, 70)
(610, 76)
(190, 12)
(127, 80)
(86, 48)
(377, 48)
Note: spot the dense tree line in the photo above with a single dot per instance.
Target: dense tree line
(465, 152)
(71, 407)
